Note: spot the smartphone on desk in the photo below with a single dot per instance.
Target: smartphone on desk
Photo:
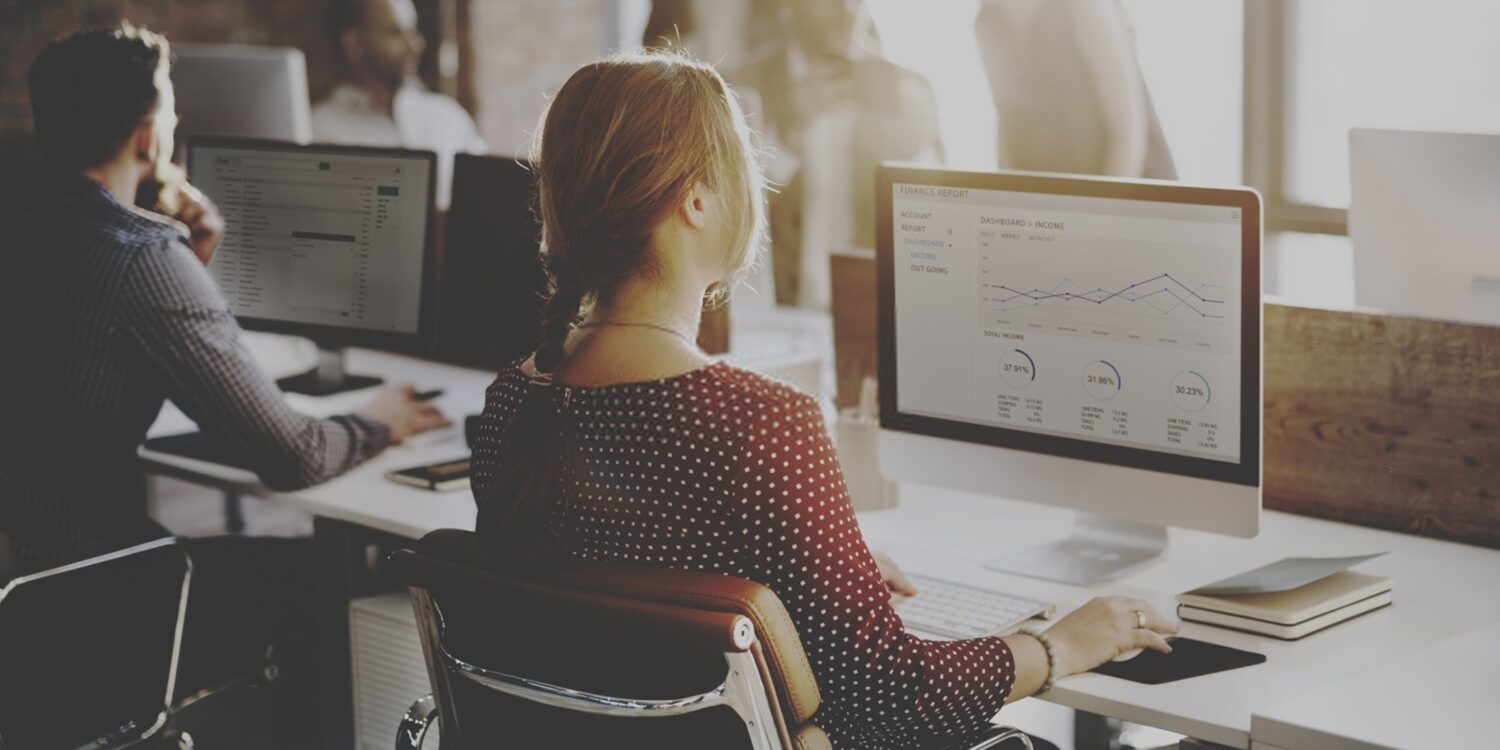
(444, 476)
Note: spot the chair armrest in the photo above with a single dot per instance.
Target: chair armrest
(413, 728)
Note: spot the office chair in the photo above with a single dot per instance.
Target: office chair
(90, 650)
(706, 660)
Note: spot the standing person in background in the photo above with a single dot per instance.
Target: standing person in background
(1068, 89)
(381, 102)
(833, 109)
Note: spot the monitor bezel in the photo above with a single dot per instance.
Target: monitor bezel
(1247, 471)
(329, 336)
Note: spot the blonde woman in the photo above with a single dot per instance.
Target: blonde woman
(620, 440)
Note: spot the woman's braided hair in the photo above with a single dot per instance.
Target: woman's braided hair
(622, 143)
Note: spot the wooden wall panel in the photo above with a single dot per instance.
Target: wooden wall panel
(1384, 421)
(854, 304)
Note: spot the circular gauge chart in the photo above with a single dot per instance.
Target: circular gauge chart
(1017, 368)
(1190, 391)
(1102, 380)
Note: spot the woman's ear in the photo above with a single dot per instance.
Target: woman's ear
(695, 207)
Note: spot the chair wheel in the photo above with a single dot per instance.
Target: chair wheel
(173, 738)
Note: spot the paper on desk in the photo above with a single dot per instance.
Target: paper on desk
(1282, 576)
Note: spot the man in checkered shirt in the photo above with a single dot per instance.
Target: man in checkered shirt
(106, 311)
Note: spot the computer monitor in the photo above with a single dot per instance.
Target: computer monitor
(493, 283)
(1423, 223)
(241, 90)
(1088, 343)
(329, 242)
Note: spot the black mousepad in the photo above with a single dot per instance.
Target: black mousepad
(1189, 658)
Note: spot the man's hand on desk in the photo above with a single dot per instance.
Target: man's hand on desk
(404, 413)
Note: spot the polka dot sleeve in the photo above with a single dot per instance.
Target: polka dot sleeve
(881, 686)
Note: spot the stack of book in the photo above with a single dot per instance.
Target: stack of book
(1285, 611)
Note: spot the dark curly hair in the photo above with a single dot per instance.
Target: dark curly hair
(90, 91)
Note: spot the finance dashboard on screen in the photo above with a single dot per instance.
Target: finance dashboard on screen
(1100, 319)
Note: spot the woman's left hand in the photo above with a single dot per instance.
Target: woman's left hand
(892, 575)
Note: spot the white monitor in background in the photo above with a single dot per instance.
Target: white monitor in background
(241, 90)
(1088, 343)
(1424, 223)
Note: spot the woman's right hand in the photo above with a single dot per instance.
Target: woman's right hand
(1105, 628)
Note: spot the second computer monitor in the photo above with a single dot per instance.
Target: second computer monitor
(329, 242)
(241, 90)
(493, 284)
(1422, 220)
(1087, 343)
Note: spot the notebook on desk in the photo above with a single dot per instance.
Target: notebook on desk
(1294, 613)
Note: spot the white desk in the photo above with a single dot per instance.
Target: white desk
(1439, 593)
(363, 495)
(1440, 696)
(949, 534)
(788, 344)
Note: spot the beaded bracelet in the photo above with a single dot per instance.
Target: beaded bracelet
(1042, 638)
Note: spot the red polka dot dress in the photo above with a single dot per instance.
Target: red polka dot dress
(727, 471)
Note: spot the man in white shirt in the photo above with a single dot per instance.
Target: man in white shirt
(381, 103)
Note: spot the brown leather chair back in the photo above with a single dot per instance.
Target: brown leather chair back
(661, 638)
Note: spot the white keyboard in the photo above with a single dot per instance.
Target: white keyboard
(953, 610)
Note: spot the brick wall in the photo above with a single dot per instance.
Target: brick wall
(522, 51)
(27, 25)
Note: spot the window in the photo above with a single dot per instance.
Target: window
(1317, 68)
(1261, 92)
(1430, 65)
(1190, 53)
(936, 39)
(1192, 56)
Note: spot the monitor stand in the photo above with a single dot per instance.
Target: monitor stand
(1100, 549)
(327, 378)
